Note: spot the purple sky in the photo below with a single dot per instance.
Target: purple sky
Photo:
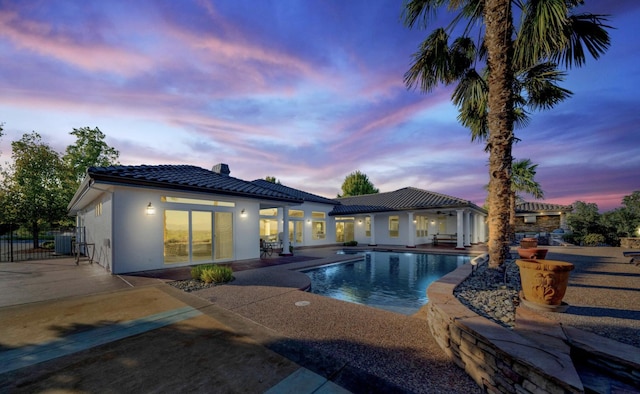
(306, 91)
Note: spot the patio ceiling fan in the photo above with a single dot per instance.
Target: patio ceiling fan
(444, 213)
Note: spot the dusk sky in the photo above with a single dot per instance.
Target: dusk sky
(306, 91)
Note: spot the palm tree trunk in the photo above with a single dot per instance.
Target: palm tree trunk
(498, 39)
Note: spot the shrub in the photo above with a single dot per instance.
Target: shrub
(593, 239)
(572, 238)
(216, 274)
(196, 272)
(351, 243)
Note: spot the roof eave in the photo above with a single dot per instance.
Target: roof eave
(115, 180)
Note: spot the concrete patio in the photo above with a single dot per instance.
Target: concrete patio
(250, 335)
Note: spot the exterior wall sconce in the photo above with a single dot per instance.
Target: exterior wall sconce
(243, 213)
(151, 210)
(415, 221)
(360, 221)
(308, 220)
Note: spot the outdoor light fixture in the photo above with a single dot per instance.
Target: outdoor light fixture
(243, 213)
(308, 220)
(360, 221)
(151, 210)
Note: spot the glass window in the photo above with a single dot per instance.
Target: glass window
(197, 201)
(201, 236)
(188, 236)
(269, 212)
(176, 236)
(296, 229)
(317, 229)
(345, 231)
(422, 226)
(269, 229)
(296, 213)
(394, 226)
(367, 226)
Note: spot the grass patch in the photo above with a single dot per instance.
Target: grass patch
(212, 273)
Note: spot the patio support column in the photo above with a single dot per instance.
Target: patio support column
(372, 240)
(459, 229)
(411, 239)
(477, 219)
(285, 232)
(563, 221)
(467, 228)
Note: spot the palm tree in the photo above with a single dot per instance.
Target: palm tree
(491, 105)
(523, 173)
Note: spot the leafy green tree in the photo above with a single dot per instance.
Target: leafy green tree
(357, 184)
(584, 219)
(272, 179)
(547, 34)
(33, 185)
(624, 221)
(89, 150)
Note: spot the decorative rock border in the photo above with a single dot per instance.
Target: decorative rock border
(497, 358)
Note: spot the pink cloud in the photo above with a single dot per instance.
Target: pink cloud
(42, 39)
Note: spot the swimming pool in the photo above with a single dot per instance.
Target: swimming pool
(392, 281)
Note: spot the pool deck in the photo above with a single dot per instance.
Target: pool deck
(255, 334)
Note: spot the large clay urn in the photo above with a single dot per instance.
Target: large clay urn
(528, 243)
(532, 253)
(544, 283)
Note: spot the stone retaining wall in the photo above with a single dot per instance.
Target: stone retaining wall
(630, 243)
(497, 358)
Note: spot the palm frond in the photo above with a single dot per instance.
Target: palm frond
(542, 32)
(583, 31)
(420, 12)
(523, 173)
(540, 84)
(432, 63)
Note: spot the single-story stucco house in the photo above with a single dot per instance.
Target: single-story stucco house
(139, 218)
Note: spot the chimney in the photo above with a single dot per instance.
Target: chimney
(222, 169)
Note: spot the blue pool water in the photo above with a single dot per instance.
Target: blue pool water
(393, 281)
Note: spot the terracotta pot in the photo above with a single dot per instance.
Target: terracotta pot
(527, 243)
(532, 253)
(544, 282)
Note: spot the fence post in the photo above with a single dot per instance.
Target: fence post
(11, 242)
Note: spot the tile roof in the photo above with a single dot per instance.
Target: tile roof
(187, 178)
(299, 194)
(530, 207)
(407, 198)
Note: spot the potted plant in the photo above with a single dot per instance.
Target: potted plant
(532, 253)
(544, 283)
(527, 243)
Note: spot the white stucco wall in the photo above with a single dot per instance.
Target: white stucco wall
(97, 229)
(139, 238)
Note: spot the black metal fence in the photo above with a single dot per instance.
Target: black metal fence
(17, 244)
